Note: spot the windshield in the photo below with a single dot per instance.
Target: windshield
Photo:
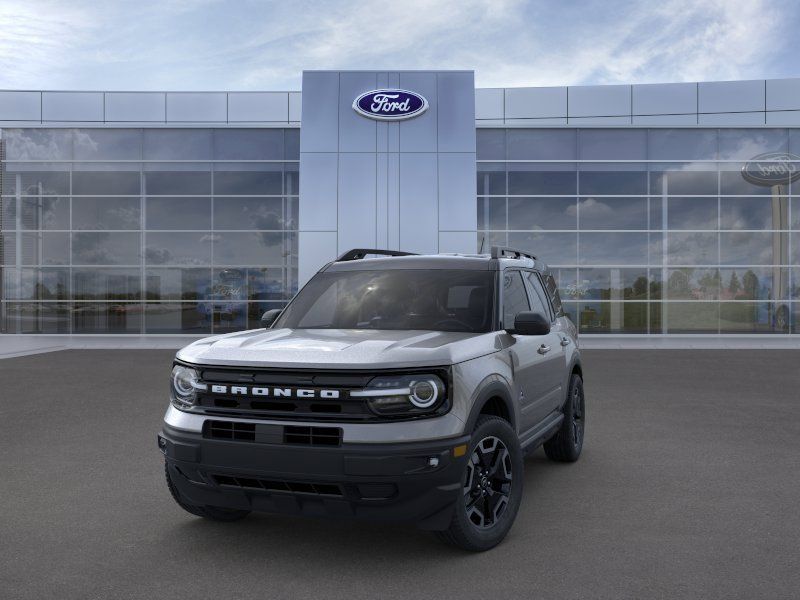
(439, 300)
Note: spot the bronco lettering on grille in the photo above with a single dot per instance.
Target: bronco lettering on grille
(275, 392)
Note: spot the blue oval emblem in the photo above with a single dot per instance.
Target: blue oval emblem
(772, 168)
(390, 105)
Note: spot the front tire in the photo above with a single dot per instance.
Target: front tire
(492, 488)
(213, 513)
(567, 443)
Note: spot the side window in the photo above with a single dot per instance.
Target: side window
(515, 298)
(539, 301)
(555, 298)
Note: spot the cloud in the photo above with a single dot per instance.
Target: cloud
(208, 45)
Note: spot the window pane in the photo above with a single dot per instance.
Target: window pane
(491, 179)
(755, 283)
(177, 144)
(754, 213)
(183, 317)
(752, 317)
(103, 248)
(695, 181)
(612, 144)
(45, 212)
(491, 144)
(107, 317)
(753, 248)
(613, 248)
(613, 182)
(45, 248)
(491, 213)
(747, 143)
(693, 284)
(691, 317)
(38, 144)
(291, 144)
(524, 180)
(542, 213)
(178, 213)
(178, 284)
(541, 144)
(106, 284)
(613, 284)
(35, 182)
(249, 181)
(118, 183)
(692, 213)
(732, 182)
(612, 213)
(682, 144)
(249, 213)
(108, 144)
(613, 317)
(692, 248)
(106, 213)
(248, 144)
(553, 248)
(537, 297)
(178, 248)
(239, 249)
(178, 183)
(252, 284)
(34, 317)
(36, 284)
(228, 316)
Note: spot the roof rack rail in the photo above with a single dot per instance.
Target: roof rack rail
(359, 253)
(503, 251)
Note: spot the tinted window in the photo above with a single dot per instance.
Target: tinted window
(539, 303)
(515, 298)
(438, 300)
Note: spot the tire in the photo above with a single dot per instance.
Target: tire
(214, 513)
(567, 443)
(485, 513)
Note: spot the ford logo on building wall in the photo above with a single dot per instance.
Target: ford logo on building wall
(772, 168)
(390, 105)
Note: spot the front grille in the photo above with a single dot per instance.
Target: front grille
(271, 485)
(231, 430)
(312, 436)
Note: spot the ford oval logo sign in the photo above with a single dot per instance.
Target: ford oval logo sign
(390, 105)
(772, 168)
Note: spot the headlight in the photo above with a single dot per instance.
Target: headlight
(185, 385)
(404, 395)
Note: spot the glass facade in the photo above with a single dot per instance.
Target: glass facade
(650, 230)
(146, 230)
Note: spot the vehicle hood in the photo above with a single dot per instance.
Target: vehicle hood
(339, 348)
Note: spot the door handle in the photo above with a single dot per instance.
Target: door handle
(543, 349)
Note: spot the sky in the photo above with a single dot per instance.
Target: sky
(251, 45)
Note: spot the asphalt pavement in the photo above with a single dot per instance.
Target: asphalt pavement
(688, 487)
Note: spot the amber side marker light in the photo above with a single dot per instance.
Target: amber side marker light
(460, 450)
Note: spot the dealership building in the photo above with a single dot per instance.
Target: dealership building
(663, 209)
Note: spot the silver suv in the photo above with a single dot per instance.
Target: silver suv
(401, 387)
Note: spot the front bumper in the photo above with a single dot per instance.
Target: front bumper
(415, 482)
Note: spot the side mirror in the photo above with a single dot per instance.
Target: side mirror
(531, 323)
(268, 318)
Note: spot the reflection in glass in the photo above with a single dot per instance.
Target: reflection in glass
(105, 248)
(691, 317)
(36, 317)
(542, 144)
(177, 284)
(117, 183)
(47, 248)
(692, 213)
(172, 248)
(613, 284)
(612, 182)
(523, 180)
(612, 213)
(36, 284)
(491, 144)
(693, 284)
(106, 284)
(32, 181)
(250, 213)
(613, 317)
(692, 248)
(177, 144)
(754, 213)
(248, 144)
(106, 213)
(744, 144)
(45, 212)
(752, 317)
(682, 144)
(755, 283)
(613, 248)
(177, 317)
(107, 317)
(553, 248)
(612, 144)
(732, 182)
(178, 213)
(541, 213)
(178, 183)
(38, 144)
(268, 248)
(683, 180)
(754, 247)
(491, 179)
(250, 180)
(107, 144)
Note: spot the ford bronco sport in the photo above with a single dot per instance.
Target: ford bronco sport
(402, 387)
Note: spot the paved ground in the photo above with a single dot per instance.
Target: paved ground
(688, 488)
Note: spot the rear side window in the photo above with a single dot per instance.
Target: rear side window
(515, 298)
(539, 301)
(552, 290)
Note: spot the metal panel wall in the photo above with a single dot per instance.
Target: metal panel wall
(398, 185)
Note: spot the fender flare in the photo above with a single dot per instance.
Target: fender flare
(494, 389)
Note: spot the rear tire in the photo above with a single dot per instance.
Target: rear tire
(567, 443)
(492, 488)
(214, 513)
